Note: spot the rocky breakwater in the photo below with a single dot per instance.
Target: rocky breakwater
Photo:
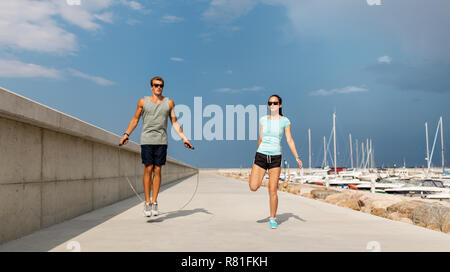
(431, 214)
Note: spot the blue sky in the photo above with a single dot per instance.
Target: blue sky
(382, 68)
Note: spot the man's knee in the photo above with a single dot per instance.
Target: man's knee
(157, 170)
(148, 168)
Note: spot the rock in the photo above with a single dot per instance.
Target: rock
(361, 203)
(366, 209)
(432, 215)
(379, 212)
(350, 203)
(322, 193)
(284, 184)
(383, 203)
(335, 198)
(406, 220)
(398, 216)
(308, 195)
(405, 207)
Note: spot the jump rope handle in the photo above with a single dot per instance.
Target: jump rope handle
(126, 139)
(189, 146)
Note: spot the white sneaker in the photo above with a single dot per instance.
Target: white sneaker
(147, 209)
(155, 211)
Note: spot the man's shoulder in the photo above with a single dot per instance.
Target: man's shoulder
(171, 102)
(141, 101)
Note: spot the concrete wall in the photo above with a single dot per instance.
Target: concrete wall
(54, 167)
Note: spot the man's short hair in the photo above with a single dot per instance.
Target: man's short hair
(156, 78)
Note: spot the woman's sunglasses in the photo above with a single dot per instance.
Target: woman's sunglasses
(272, 103)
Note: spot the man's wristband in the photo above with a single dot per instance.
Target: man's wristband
(127, 134)
(297, 157)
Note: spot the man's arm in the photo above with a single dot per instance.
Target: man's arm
(134, 121)
(176, 126)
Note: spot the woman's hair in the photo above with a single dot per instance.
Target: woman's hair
(279, 100)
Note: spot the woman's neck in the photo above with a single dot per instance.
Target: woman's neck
(274, 116)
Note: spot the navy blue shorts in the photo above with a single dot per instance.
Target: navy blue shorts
(154, 154)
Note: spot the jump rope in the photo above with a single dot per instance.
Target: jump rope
(139, 197)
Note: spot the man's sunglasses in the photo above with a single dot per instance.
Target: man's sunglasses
(272, 103)
(158, 85)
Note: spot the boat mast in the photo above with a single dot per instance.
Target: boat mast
(309, 136)
(428, 149)
(372, 164)
(324, 153)
(368, 154)
(334, 138)
(357, 156)
(351, 151)
(363, 155)
(442, 144)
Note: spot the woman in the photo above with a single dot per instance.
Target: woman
(268, 155)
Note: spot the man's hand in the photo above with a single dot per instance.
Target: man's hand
(124, 140)
(188, 144)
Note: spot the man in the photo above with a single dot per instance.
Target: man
(155, 110)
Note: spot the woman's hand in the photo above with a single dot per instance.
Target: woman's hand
(300, 164)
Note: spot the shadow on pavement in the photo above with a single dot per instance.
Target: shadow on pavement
(177, 214)
(281, 218)
(59, 233)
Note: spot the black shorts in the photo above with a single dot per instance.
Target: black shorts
(154, 154)
(267, 161)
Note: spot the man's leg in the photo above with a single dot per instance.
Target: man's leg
(156, 182)
(147, 179)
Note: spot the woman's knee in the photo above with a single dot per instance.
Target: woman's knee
(253, 187)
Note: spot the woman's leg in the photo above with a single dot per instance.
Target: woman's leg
(256, 177)
(274, 177)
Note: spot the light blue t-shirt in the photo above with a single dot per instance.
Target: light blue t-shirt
(272, 134)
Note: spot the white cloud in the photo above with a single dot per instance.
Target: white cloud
(134, 5)
(230, 90)
(225, 11)
(95, 79)
(171, 19)
(385, 59)
(176, 59)
(39, 25)
(17, 69)
(345, 90)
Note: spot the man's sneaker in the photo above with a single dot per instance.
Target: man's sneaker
(155, 210)
(273, 223)
(147, 209)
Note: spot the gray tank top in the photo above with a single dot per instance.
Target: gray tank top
(154, 117)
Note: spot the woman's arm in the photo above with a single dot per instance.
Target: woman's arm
(260, 135)
(291, 144)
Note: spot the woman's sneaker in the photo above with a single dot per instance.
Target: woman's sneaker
(273, 223)
(147, 209)
(155, 210)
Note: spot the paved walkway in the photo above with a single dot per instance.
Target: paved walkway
(226, 216)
